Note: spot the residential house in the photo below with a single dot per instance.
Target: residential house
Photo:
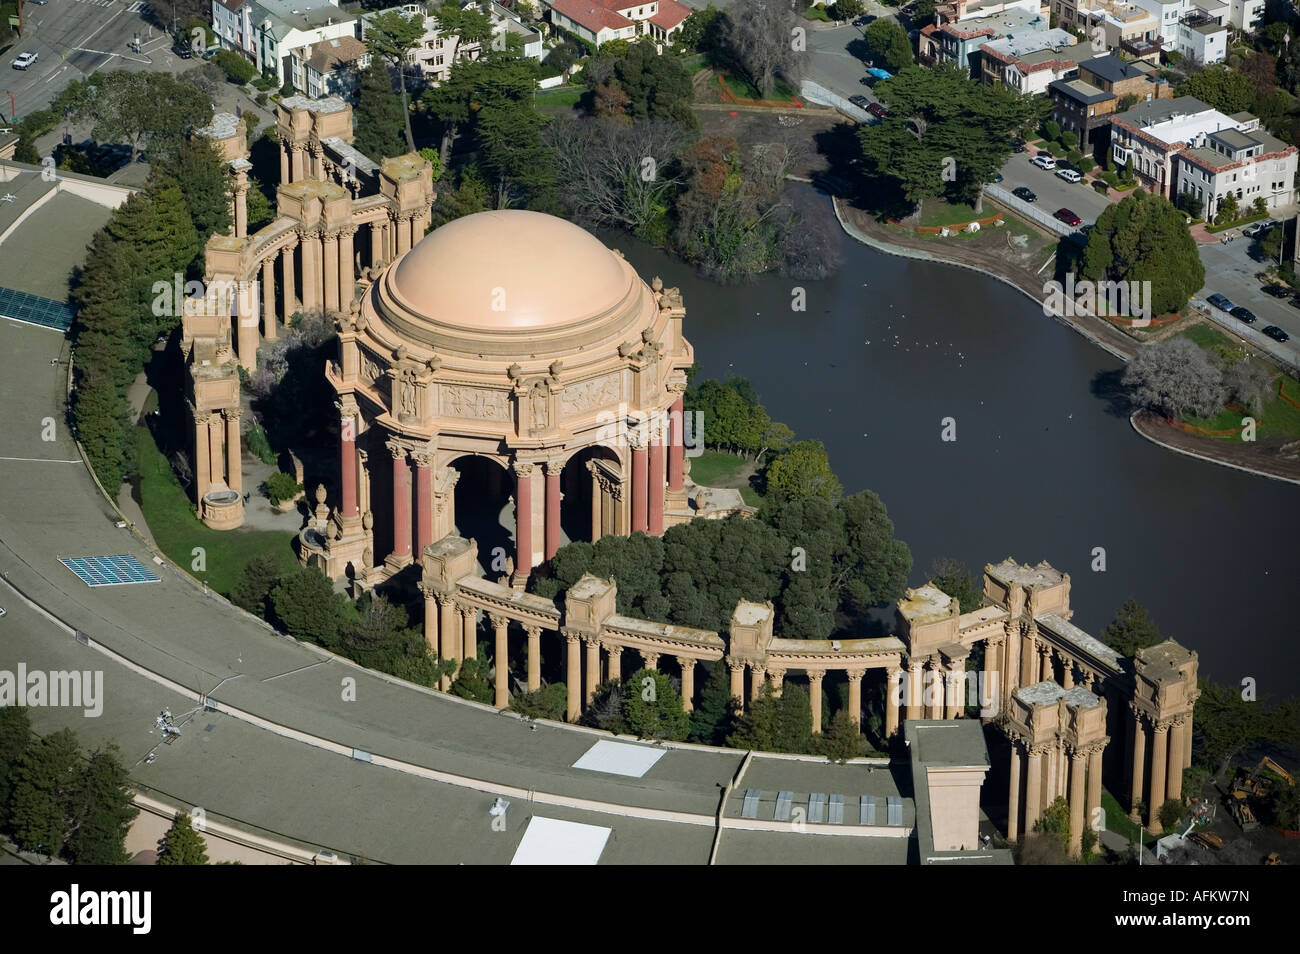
(1084, 105)
(268, 32)
(331, 67)
(1246, 162)
(599, 21)
(1113, 25)
(1147, 138)
(1029, 62)
(959, 41)
(1198, 29)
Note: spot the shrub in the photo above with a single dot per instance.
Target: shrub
(1171, 813)
(238, 69)
(1051, 130)
(259, 446)
(281, 486)
(549, 702)
(1100, 186)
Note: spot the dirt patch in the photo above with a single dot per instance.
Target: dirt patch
(1263, 456)
(796, 128)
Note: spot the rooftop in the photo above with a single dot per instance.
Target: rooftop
(1080, 91)
(1114, 70)
(1009, 571)
(1182, 120)
(925, 604)
(1024, 45)
(1073, 634)
(1047, 693)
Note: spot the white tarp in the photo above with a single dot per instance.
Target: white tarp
(619, 758)
(549, 841)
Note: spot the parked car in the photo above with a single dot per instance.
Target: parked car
(1018, 146)
(24, 60)
(1069, 175)
(2, 611)
(860, 101)
(1277, 291)
(1221, 302)
(183, 49)
(877, 110)
(1025, 195)
(1243, 314)
(1068, 217)
(1276, 333)
(997, 177)
(1043, 161)
(1250, 231)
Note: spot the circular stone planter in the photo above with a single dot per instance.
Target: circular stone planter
(223, 510)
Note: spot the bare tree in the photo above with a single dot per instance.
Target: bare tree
(1176, 376)
(760, 36)
(616, 174)
(1250, 384)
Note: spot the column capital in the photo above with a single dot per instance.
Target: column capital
(570, 637)
(232, 413)
(554, 467)
(397, 449)
(855, 674)
(466, 611)
(614, 649)
(498, 620)
(777, 674)
(422, 458)
(533, 631)
(522, 468)
(444, 599)
(429, 592)
(895, 673)
(815, 676)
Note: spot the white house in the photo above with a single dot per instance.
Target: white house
(268, 32)
(1246, 162)
(1148, 137)
(599, 21)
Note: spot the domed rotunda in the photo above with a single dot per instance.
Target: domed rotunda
(509, 363)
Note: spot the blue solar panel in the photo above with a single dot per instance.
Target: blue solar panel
(109, 570)
(35, 310)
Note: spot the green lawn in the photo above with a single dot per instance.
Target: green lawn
(714, 467)
(170, 515)
(560, 98)
(740, 87)
(1117, 820)
(938, 212)
(1207, 336)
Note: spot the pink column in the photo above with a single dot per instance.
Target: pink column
(523, 519)
(348, 464)
(401, 503)
(676, 445)
(552, 508)
(423, 502)
(655, 484)
(639, 478)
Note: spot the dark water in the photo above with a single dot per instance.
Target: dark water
(1041, 468)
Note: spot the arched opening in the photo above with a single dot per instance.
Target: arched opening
(485, 510)
(581, 497)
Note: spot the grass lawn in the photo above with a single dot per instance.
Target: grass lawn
(718, 469)
(938, 212)
(740, 87)
(176, 530)
(1117, 820)
(1207, 336)
(558, 99)
(712, 466)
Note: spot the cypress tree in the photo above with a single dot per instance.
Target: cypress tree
(41, 805)
(101, 811)
(182, 845)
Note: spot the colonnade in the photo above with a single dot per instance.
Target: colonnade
(1047, 771)
(1160, 749)
(217, 452)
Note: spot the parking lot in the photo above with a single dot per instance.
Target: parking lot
(1053, 193)
(1230, 270)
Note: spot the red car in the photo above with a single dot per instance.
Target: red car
(878, 111)
(1068, 217)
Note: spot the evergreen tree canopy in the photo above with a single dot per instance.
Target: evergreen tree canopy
(182, 845)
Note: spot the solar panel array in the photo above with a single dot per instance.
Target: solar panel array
(750, 807)
(117, 570)
(35, 310)
(867, 810)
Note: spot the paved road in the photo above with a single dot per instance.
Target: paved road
(75, 38)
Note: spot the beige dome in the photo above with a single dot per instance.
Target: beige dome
(512, 270)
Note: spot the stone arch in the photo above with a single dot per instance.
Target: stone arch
(579, 486)
(485, 510)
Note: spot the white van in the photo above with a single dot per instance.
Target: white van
(1043, 162)
(1069, 175)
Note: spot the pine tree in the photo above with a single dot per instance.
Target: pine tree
(101, 811)
(379, 119)
(15, 739)
(45, 780)
(182, 845)
(201, 174)
(1131, 629)
(712, 717)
